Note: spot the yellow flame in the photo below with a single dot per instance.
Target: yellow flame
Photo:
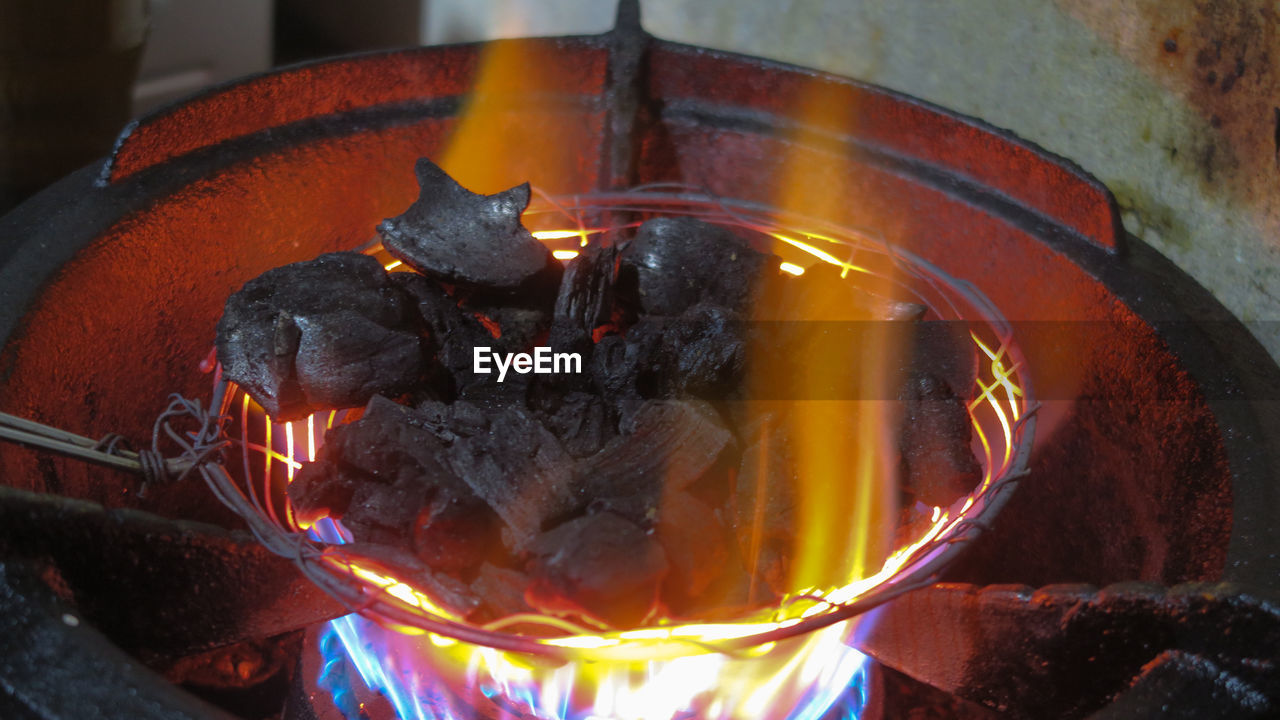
(505, 134)
(842, 447)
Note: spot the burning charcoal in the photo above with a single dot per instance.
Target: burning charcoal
(492, 395)
(937, 460)
(454, 334)
(453, 531)
(674, 263)
(697, 443)
(320, 490)
(325, 333)
(501, 590)
(585, 301)
(764, 503)
(695, 542)
(580, 420)
(704, 352)
(385, 446)
(467, 420)
(344, 360)
(668, 447)
(384, 514)
(514, 328)
(522, 472)
(945, 350)
(622, 366)
(389, 481)
(456, 236)
(598, 565)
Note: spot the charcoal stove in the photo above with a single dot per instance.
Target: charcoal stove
(1156, 455)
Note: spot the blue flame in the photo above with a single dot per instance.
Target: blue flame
(840, 692)
(344, 642)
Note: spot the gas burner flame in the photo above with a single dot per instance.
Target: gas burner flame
(841, 694)
(413, 673)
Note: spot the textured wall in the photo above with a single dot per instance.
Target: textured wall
(1171, 103)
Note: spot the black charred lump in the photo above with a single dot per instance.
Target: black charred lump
(704, 353)
(586, 299)
(386, 476)
(669, 446)
(520, 470)
(451, 332)
(937, 460)
(673, 264)
(325, 333)
(600, 565)
(457, 236)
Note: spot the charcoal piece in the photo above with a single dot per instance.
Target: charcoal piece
(945, 350)
(668, 446)
(704, 353)
(449, 421)
(384, 514)
(598, 565)
(451, 593)
(521, 471)
(580, 420)
(454, 531)
(457, 236)
(612, 370)
(325, 333)
(389, 480)
(631, 364)
(467, 420)
(764, 502)
(586, 299)
(344, 360)
(485, 392)
(638, 499)
(386, 445)
(734, 592)
(674, 263)
(320, 490)
(938, 463)
(456, 328)
(453, 333)
(501, 590)
(517, 328)
(696, 545)
(695, 440)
